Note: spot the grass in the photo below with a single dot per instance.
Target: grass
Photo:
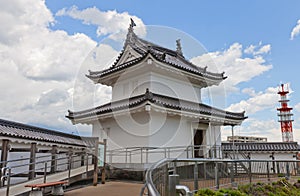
(280, 188)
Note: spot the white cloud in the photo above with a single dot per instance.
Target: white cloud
(297, 107)
(250, 49)
(109, 22)
(258, 50)
(38, 52)
(259, 101)
(295, 31)
(237, 67)
(38, 66)
(249, 91)
(257, 128)
(264, 49)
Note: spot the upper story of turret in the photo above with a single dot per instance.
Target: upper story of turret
(142, 64)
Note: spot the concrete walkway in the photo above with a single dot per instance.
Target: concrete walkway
(109, 189)
(20, 188)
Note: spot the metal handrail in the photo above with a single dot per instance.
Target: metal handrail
(69, 160)
(152, 191)
(150, 185)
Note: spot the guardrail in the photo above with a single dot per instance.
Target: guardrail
(169, 176)
(154, 154)
(21, 170)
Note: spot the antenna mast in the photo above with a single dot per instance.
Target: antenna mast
(285, 115)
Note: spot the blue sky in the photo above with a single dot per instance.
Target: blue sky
(256, 34)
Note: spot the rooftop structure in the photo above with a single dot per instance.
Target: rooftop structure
(238, 138)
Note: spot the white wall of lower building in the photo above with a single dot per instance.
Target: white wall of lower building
(153, 129)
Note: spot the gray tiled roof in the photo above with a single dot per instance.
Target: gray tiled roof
(159, 100)
(165, 55)
(261, 146)
(19, 130)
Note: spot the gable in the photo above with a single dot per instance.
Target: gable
(128, 55)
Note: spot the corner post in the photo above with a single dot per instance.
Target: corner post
(95, 176)
(31, 174)
(4, 155)
(53, 159)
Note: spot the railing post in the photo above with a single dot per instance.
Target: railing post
(8, 182)
(196, 173)
(187, 152)
(82, 157)
(147, 155)
(125, 155)
(233, 184)
(141, 155)
(31, 174)
(175, 167)
(103, 175)
(193, 151)
(165, 152)
(250, 172)
(87, 163)
(45, 172)
(4, 155)
(173, 181)
(268, 172)
(45, 175)
(70, 167)
(53, 159)
(217, 175)
(204, 170)
(166, 178)
(95, 176)
(287, 175)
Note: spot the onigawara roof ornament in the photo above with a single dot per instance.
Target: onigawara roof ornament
(132, 23)
(178, 47)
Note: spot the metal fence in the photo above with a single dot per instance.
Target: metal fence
(21, 170)
(154, 154)
(189, 175)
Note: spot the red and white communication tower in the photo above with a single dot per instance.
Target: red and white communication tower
(285, 115)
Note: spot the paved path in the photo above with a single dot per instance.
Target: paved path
(109, 189)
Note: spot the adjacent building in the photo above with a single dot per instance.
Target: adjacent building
(239, 138)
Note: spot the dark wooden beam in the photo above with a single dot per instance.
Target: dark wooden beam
(83, 155)
(31, 174)
(53, 159)
(4, 154)
(104, 163)
(95, 159)
(20, 150)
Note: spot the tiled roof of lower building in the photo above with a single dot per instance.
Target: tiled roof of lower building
(158, 100)
(260, 146)
(23, 131)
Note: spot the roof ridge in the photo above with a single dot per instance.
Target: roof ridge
(35, 128)
(163, 100)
